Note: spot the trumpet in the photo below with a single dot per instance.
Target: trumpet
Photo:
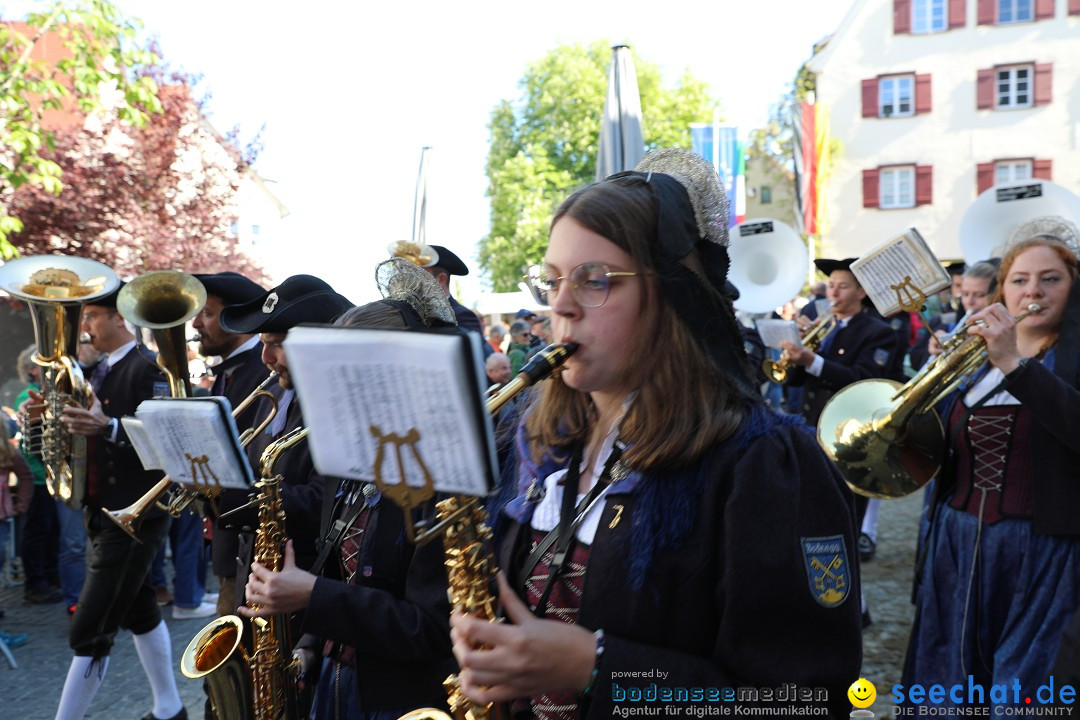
(130, 518)
(885, 438)
(815, 334)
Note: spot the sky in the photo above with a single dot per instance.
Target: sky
(347, 94)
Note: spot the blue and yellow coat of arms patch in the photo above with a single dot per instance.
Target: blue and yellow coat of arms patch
(826, 564)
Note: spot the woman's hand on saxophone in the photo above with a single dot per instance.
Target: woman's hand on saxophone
(501, 661)
(997, 327)
(273, 593)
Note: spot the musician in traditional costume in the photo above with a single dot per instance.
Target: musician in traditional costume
(658, 518)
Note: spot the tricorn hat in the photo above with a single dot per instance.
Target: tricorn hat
(233, 288)
(108, 301)
(449, 262)
(300, 299)
(827, 266)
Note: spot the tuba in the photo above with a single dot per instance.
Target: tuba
(769, 263)
(885, 438)
(55, 288)
(263, 685)
(163, 301)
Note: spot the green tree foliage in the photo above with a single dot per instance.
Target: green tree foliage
(97, 72)
(544, 145)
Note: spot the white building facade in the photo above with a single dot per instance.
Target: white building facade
(934, 101)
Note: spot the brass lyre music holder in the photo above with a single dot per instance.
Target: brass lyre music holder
(404, 495)
(202, 474)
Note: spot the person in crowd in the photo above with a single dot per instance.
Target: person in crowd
(117, 592)
(998, 579)
(498, 369)
(379, 603)
(977, 285)
(647, 486)
(12, 462)
(520, 348)
(496, 337)
(39, 540)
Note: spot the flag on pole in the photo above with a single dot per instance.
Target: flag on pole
(813, 166)
(719, 144)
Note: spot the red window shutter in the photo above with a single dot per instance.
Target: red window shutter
(957, 13)
(901, 16)
(871, 194)
(1044, 9)
(922, 94)
(869, 98)
(1042, 169)
(984, 177)
(1074, 7)
(924, 184)
(1043, 83)
(987, 12)
(984, 90)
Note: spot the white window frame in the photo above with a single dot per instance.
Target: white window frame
(1012, 171)
(1013, 8)
(1009, 99)
(928, 16)
(891, 187)
(891, 86)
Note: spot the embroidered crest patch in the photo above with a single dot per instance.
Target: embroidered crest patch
(826, 564)
(161, 389)
(881, 356)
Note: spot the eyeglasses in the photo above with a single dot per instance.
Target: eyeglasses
(590, 283)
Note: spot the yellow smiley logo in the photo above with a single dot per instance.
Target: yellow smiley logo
(862, 693)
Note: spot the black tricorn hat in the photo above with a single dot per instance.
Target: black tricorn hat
(233, 288)
(108, 301)
(300, 299)
(827, 266)
(449, 262)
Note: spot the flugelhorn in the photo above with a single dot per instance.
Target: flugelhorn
(130, 518)
(778, 370)
(885, 438)
(55, 288)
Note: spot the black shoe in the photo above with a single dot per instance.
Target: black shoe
(866, 547)
(182, 715)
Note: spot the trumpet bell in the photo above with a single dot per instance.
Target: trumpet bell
(768, 264)
(877, 459)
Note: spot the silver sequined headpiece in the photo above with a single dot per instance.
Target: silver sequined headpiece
(403, 281)
(1052, 225)
(702, 184)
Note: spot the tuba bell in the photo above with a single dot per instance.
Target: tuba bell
(163, 301)
(769, 263)
(55, 288)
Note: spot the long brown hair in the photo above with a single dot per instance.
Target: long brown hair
(1048, 241)
(7, 452)
(685, 404)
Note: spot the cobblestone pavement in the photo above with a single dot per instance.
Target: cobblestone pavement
(32, 691)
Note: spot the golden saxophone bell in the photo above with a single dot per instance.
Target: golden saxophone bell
(779, 370)
(885, 437)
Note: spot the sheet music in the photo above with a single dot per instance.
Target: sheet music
(905, 256)
(195, 441)
(356, 380)
(140, 440)
(773, 332)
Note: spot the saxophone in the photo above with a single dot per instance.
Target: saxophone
(265, 684)
(470, 564)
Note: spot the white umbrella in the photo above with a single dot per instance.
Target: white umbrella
(621, 142)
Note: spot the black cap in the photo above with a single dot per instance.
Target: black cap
(108, 301)
(449, 262)
(956, 268)
(233, 288)
(300, 299)
(827, 267)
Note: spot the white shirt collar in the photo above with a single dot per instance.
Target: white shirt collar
(119, 353)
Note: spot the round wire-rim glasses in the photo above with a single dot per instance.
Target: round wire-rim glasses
(590, 283)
